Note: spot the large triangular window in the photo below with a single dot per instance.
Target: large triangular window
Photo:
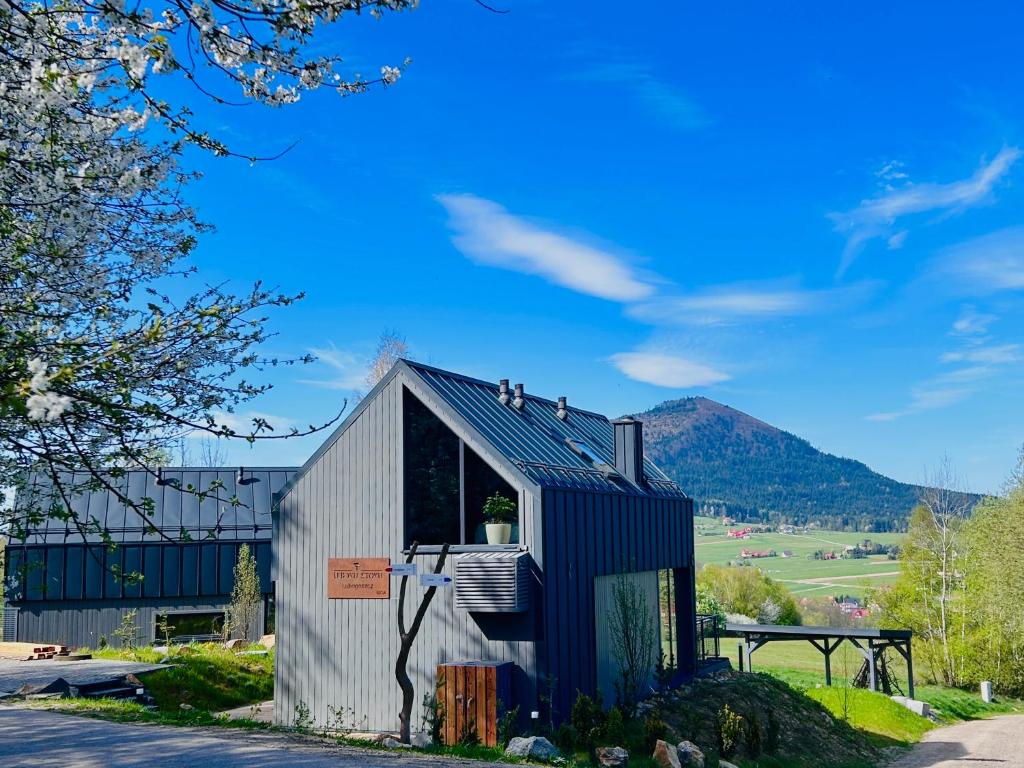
(446, 482)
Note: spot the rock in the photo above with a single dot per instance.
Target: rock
(186, 707)
(726, 764)
(234, 643)
(422, 740)
(373, 738)
(665, 755)
(268, 641)
(533, 747)
(690, 754)
(612, 757)
(921, 708)
(391, 743)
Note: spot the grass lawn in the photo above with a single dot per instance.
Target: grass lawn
(206, 677)
(802, 575)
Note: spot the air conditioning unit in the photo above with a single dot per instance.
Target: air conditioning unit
(492, 582)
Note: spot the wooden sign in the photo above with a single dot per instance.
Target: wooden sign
(358, 578)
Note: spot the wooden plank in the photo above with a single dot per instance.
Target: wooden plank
(490, 691)
(483, 720)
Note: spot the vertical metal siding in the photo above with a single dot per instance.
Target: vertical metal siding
(337, 656)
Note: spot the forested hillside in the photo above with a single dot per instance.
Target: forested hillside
(751, 470)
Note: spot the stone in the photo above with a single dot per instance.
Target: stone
(373, 738)
(612, 757)
(422, 740)
(690, 755)
(921, 708)
(665, 755)
(391, 743)
(186, 707)
(532, 747)
(268, 641)
(726, 764)
(233, 643)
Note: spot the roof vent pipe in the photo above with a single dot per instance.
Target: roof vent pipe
(629, 448)
(519, 401)
(241, 475)
(503, 391)
(562, 412)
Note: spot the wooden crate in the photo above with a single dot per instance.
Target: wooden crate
(472, 696)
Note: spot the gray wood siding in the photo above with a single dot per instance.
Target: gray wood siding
(336, 657)
(588, 535)
(82, 623)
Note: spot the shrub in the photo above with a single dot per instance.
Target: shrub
(753, 737)
(728, 731)
(588, 721)
(654, 729)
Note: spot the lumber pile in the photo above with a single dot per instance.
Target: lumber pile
(31, 651)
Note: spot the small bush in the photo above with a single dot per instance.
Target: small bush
(654, 729)
(588, 721)
(753, 737)
(728, 731)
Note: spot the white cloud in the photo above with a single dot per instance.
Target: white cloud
(350, 371)
(942, 391)
(662, 97)
(986, 264)
(488, 234)
(721, 304)
(972, 323)
(994, 355)
(875, 216)
(665, 370)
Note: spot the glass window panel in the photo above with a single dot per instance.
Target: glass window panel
(132, 571)
(171, 570)
(74, 575)
(208, 569)
(15, 574)
(114, 572)
(482, 481)
(184, 627)
(190, 570)
(226, 580)
(94, 572)
(35, 569)
(54, 588)
(151, 570)
(431, 455)
(263, 565)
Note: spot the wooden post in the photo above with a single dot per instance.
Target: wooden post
(910, 671)
(828, 661)
(739, 655)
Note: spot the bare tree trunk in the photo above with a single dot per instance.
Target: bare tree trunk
(407, 639)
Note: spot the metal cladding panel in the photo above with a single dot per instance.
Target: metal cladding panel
(231, 509)
(534, 438)
(586, 536)
(493, 582)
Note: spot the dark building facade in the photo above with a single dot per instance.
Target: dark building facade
(415, 462)
(71, 591)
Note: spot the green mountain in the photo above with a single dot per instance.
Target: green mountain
(734, 464)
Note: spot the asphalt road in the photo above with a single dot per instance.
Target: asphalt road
(36, 738)
(997, 742)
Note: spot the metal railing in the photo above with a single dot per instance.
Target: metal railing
(708, 646)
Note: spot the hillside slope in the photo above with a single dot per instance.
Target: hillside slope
(751, 470)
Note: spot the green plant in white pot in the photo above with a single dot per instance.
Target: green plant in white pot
(499, 515)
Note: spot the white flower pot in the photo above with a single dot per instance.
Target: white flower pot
(498, 533)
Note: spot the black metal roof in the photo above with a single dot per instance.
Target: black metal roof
(534, 438)
(188, 502)
(783, 632)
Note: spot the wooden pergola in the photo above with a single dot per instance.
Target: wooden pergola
(870, 643)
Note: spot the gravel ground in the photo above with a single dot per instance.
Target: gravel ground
(33, 738)
(998, 741)
(14, 674)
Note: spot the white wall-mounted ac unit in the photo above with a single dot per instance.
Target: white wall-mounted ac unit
(492, 582)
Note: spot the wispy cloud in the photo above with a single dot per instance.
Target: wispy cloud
(349, 370)
(659, 95)
(748, 301)
(487, 233)
(1000, 354)
(987, 264)
(875, 217)
(942, 391)
(667, 370)
(972, 322)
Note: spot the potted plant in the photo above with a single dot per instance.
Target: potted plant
(499, 515)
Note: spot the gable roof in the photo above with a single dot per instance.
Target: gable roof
(532, 441)
(175, 507)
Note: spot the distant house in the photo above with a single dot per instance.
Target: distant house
(757, 553)
(787, 553)
(415, 462)
(787, 529)
(739, 533)
(76, 592)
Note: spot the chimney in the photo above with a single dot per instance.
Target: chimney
(519, 401)
(503, 391)
(629, 448)
(562, 411)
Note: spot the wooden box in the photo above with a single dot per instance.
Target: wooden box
(472, 696)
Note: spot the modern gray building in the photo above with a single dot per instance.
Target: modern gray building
(414, 462)
(61, 588)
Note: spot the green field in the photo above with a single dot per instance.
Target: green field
(802, 575)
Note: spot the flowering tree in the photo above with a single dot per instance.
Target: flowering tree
(107, 356)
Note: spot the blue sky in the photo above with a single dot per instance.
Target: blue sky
(810, 213)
